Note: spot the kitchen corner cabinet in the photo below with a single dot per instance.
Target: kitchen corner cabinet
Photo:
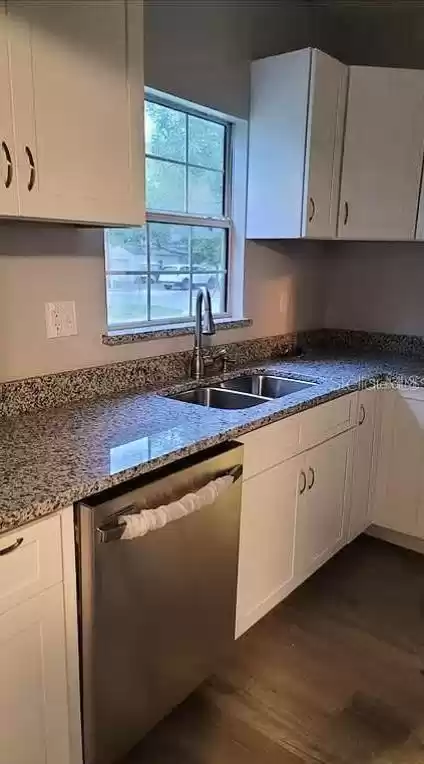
(76, 71)
(295, 146)
(383, 154)
(400, 478)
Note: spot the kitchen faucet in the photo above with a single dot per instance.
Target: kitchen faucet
(203, 327)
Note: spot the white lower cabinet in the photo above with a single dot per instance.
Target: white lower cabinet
(293, 519)
(400, 504)
(324, 494)
(363, 464)
(39, 675)
(34, 726)
(266, 541)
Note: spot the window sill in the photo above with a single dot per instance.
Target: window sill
(126, 336)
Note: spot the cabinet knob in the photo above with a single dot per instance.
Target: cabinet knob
(311, 476)
(362, 414)
(31, 180)
(346, 213)
(9, 175)
(302, 487)
(311, 209)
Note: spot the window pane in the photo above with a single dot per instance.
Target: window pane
(205, 191)
(170, 295)
(126, 249)
(165, 132)
(205, 143)
(126, 299)
(165, 186)
(208, 247)
(169, 246)
(216, 285)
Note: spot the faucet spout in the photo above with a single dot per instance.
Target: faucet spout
(204, 326)
(208, 326)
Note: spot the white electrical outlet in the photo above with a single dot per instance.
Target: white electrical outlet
(61, 319)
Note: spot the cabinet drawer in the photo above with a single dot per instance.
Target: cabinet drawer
(327, 420)
(270, 445)
(33, 563)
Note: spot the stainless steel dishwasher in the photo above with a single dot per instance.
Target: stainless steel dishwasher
(155, 612)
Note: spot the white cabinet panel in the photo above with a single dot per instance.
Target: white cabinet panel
(327, 109)
(78, 94)
(383, 153)
(401, 489)
(327, 420)
(321, 508)
(270, 445)
(293, 519)
(8, 173)
(33, 687)
(266, 541)
(296, 121)
(30, 561)
(360, 517)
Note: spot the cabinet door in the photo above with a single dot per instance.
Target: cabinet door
(8, 174)
(321, 510)
(277, 139)
(266, 541)
(78, 93)
(33, 688)
(327, 106)
(401, 463)
(383, 154)
(362, 464)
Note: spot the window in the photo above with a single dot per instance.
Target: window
(153, 273)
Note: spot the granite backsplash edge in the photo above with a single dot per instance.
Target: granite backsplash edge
(52, 390)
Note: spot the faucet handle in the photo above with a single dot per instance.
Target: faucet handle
(222, 355)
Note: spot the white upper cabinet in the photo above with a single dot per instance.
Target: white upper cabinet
(8, 178)
(296, 131)
(383, 154)
(77, 79)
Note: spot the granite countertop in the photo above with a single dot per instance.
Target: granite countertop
(54, 457)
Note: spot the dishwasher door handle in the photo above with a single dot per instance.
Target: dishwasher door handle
(113, 531)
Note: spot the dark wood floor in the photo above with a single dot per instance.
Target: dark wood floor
(334, 675)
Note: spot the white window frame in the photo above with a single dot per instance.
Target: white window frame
(235, 169)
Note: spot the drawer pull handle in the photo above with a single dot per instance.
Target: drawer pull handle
(302, 488)
(12, 547)
(31, 180)
(311, 480)
(9, 176)
(362, 414)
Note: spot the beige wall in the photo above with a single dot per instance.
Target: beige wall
(375, 287)
(39, 264)
(199, 50)
(375, 32)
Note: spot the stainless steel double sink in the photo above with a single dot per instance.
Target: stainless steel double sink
(243, 392)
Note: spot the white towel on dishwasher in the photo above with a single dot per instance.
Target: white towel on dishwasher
(152, 519)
